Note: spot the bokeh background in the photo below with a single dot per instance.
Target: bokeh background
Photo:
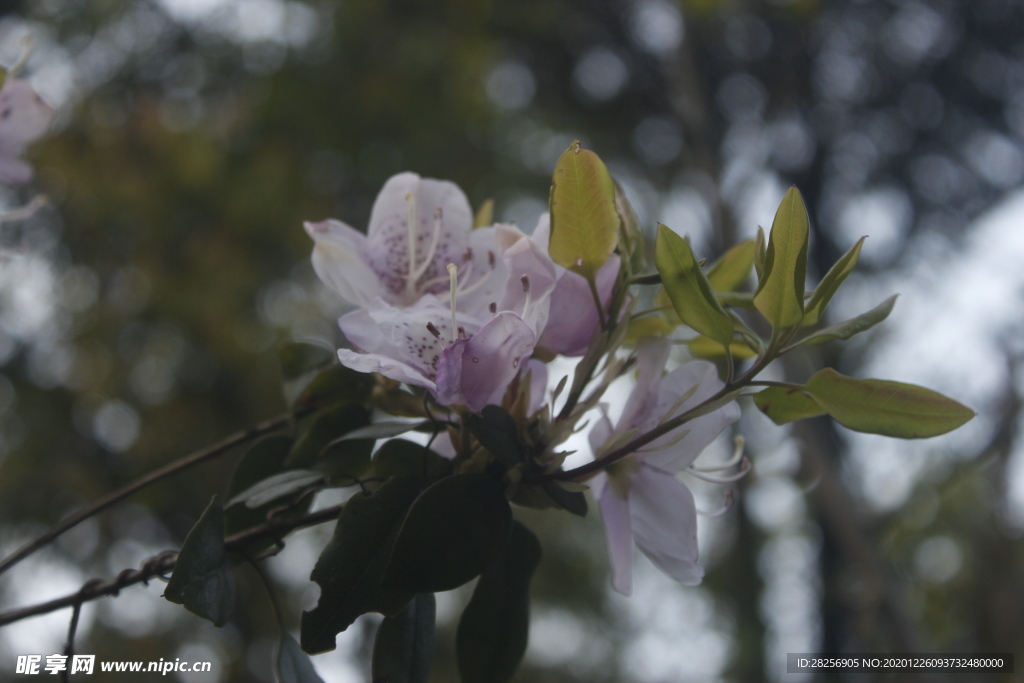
(139, 312)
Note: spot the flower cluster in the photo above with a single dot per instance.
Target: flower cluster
(466, 313)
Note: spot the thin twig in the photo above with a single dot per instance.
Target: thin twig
(160, 565)
(196, 458)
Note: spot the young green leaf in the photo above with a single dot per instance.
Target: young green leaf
(905, 411)
(327, 427)
(760, 253)
(293, 666)
(401, 458)
(484, 215)
(732, 270)
(584, 222)
(631, 234)
(830, 284)
(786, 404)
(351, 565)
(703, 347)
(780, 294)
(496, 430)
(452, 533)
(494, 628)
(848, 328)
(202, 580)
(692, 297)
(404, 647)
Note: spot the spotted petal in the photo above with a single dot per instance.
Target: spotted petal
(475, 372)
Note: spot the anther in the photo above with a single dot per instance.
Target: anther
(493, 307)
(432, 328)
(526, 284)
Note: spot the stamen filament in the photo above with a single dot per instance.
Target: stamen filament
(434, 241)
(453, 274)
(410, 282)
(744, 468)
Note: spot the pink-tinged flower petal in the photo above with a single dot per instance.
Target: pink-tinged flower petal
(542, 233)
(388, 234)
(600, 432)
(573, 319)
(475, 372)
(664, 522)
(339, 259)
(538, 373)
(651, 356)
(396, 342)
(524, 259)
(618, 532)
(702, 430)
(482, 278)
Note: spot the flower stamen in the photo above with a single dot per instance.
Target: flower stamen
(410, 281)
(453, 274)
(432, 250)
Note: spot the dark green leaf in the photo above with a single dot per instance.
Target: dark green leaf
(496, 430)
(404, 648)
(571, 501)
(276, 486)
(848, 328)
(786, 404)
(293, 666)
(401, 458)
(584, 222)
(350, 567)
(326, 427)
(878, 406)
(829, 285)
(453, 531)
(494, 628)
(299, 365)
(688, 288)
(732, 270)
(337, 384)
(780, 294)
(202, 579)
(383, 430)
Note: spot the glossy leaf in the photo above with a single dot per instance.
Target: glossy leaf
(786, 404)
(202, 580)
(293, 665)
(877, 406)
(703, 347)
(494, 628)
(780, 294)
(733, 269)
(688, 288)
(452, 533)
(584, 222)
(264, 459)
(276, 486)
(350, 567)
(401, 458)
(570, 501)
(496, 430)
(848, 328)
(325, 428)
(383, 430)
(404, 647)
(829, 285)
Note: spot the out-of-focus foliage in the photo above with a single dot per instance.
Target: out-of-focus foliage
(140, 313)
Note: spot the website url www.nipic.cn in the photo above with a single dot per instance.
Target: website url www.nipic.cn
(86, 664)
